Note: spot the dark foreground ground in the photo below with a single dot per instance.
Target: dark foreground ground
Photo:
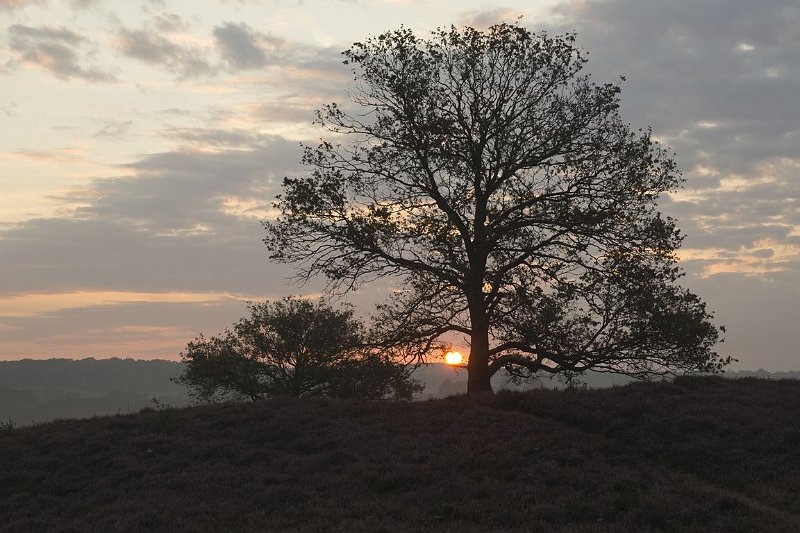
(699, 454)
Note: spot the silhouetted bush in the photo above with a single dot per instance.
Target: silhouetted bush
(292, 347)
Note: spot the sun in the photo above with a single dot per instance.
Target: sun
(453, 358)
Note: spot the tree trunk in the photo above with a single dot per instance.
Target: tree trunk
(478, 377)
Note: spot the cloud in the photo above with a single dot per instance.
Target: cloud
(718, 82)
(9, 109)
(235, 47)
(30, 305)
(148, 260)
(765, 256)
(214, 137)
(175, 111)
(285, 111)
(182, 221)
(150, 47)
(308, 73)
(182, 192)
(687, 69)
(83, 4)
(169, 22)
(11, 5)
(176, 244)
(249, 118)
(57, 50)
(58, 155)
(243, 48)
(484, 19)
(142, 329)
(114, 129)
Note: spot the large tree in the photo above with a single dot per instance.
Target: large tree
(499, 186)
(292, 347)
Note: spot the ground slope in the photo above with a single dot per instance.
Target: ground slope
(699, 454)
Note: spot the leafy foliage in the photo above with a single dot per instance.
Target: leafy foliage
(503, 189)
(291, 347)
(8, 426)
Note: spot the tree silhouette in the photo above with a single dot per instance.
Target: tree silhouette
(499, 185)
(292, 347)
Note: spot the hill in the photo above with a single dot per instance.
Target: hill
(34, 391)
(697, 454)
(91, 376)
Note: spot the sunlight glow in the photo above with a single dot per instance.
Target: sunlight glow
(454, 358)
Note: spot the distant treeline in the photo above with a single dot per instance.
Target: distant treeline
(763, 374)
(91, 376)
(33, 391)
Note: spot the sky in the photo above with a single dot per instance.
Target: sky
(142, 141)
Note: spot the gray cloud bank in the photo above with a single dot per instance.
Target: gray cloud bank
(718, 81)
(237, 48)
(185, 221)
(161, 43)
(244, 48)
(58, 50)
(153, 48)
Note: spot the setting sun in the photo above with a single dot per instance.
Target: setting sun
(453, 358)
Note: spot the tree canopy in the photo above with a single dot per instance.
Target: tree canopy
(292, 347)
(498, 184)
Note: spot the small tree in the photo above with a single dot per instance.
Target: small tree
(501, 186)
(292, 347)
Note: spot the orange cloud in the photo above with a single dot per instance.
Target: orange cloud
(60, 155)
(764, 256)
(29, 305)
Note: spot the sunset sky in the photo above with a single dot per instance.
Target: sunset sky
(142, 142)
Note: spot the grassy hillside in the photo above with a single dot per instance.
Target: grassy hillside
(699, 454)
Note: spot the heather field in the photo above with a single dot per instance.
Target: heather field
(696, 454)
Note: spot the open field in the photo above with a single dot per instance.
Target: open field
(698, 454)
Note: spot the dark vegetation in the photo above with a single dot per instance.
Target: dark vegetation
(697, 454)
(293, 347)
(497, 184)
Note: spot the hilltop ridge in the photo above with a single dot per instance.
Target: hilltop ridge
(35, 391)
(697, 454)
